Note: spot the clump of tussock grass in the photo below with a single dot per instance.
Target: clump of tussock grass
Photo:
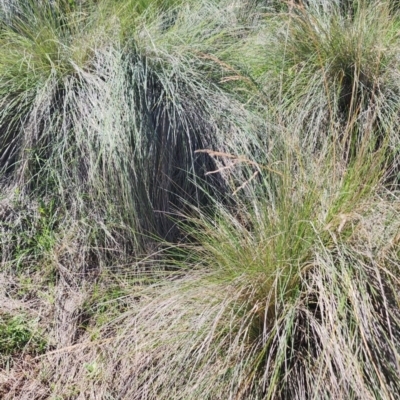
(285, 285)
(293, 295)
(99, 122)
(100, 125)
(332, 66)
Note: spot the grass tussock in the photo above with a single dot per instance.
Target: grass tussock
(199, 200)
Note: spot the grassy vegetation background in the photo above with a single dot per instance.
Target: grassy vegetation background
(199, 199)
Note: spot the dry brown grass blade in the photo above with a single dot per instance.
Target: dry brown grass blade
(217, 61)
(237, 159)
(244, 184)
(235, 78)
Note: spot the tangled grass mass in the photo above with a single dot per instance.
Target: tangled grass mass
(199, 199)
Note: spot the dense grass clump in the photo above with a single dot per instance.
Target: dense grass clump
(199, 199)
